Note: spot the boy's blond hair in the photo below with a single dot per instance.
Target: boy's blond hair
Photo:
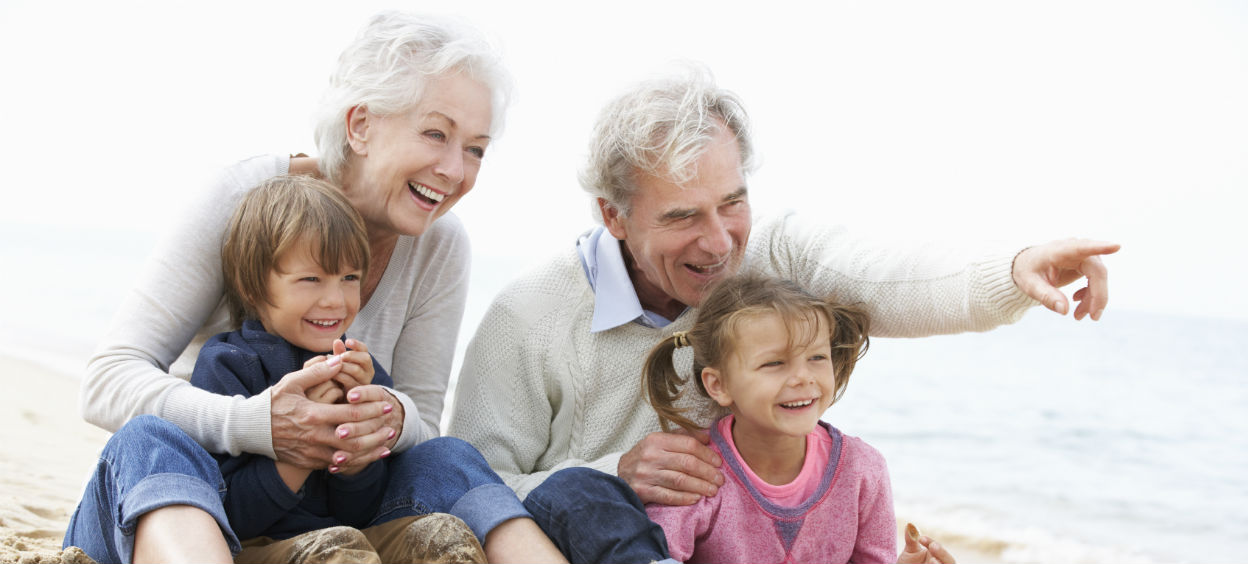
(275, 217)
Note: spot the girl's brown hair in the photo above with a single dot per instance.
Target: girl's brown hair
(273, 218)
(736, 300)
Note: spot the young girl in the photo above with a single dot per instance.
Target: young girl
(796, 489)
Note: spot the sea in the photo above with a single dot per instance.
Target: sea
(1050, 440)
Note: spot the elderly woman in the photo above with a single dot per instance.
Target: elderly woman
(406, 122)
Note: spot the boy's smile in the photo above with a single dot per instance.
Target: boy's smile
(307, 306)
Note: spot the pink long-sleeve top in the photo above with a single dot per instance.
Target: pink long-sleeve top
(838, 509)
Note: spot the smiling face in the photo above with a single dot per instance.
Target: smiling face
(681, 239)
(405, 170)
(307, 306)
(777, 385)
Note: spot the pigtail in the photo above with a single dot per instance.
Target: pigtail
(663, 385)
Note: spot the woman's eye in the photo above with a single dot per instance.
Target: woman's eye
(477, 152)
(435, 134)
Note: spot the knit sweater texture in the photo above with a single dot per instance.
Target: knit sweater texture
(570, 397)
(849, 518)
(409, 324)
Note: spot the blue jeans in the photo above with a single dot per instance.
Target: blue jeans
(593, 516)
(150, 463)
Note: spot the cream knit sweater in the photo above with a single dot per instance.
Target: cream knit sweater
(539, 392)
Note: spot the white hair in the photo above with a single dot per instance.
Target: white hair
(386, 68)
(661, 127)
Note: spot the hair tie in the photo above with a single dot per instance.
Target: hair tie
(682, 338)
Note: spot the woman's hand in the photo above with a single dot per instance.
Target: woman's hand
(372, 439)
(921, 549)
(310, 435)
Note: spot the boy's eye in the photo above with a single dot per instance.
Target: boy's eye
(351, 277)
(773, 364)
(310, 279)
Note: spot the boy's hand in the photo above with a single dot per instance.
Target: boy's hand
(357, 364)
(921, 549)
(328, 391)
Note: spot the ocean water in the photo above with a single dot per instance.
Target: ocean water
(1049, 440)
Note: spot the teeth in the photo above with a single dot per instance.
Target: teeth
(704, 269)
(798, 403)
(426, 192)
(323, 323)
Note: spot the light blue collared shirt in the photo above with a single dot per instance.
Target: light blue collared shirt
(615, 298)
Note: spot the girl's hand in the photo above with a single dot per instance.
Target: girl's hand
(921, 549)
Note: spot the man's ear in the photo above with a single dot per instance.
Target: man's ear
(714, 384)
(612, 219)
(358, 120)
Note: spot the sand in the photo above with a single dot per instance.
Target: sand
(49, 453)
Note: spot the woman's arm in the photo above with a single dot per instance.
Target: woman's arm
(177, 295)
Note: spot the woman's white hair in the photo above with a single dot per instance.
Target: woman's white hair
(661, 127)
(386, 68)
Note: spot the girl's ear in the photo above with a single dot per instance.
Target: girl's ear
(357, 129)
(714, 384)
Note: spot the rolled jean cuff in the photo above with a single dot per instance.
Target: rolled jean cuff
(485, 507)
(162, 490)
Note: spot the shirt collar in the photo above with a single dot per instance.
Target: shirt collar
(615, 300)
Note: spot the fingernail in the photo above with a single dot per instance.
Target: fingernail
(342, 432)
(387, 408)
(390, 435)
(334, 360)
(353, 396)
(333, 469)
(340, 459)
(385, 453)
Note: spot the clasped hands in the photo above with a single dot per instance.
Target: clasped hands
(329, 415)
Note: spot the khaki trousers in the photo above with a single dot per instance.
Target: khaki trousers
(435, 537)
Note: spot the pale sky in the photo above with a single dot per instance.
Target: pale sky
(913, 121)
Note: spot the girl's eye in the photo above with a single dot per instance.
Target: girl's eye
(819, 357)
(310, 279)
(773, 364)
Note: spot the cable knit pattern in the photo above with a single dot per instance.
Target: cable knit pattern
(568, 397)
(409, 324)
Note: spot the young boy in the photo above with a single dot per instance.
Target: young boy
(294, 260)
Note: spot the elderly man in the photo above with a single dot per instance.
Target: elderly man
(551, 380)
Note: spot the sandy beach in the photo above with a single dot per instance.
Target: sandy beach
(49, 452)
